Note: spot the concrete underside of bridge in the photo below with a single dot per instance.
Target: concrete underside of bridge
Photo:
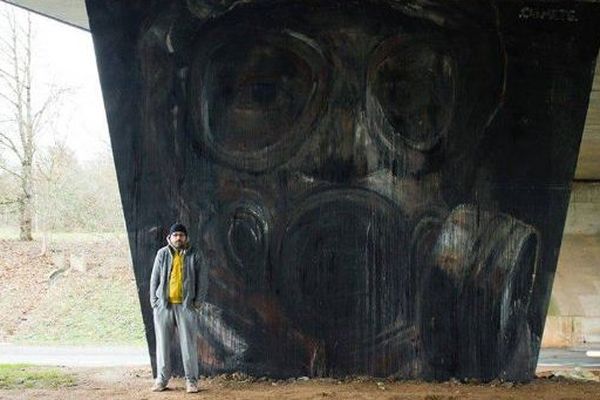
(378, 187)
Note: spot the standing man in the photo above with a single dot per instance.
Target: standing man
(177, 288)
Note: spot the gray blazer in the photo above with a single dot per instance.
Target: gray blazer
(195, 277)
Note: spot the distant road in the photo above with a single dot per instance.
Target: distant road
(550, 358)
(113, 356)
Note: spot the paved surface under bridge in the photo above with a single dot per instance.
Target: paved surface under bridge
(111, 356)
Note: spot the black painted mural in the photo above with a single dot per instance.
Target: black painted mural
(379, 187)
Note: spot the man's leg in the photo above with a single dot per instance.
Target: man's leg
(163, 327)
(187, 325)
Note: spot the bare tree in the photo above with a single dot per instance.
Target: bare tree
(21, 119)
(56, 169)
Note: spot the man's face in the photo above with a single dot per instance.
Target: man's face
(178, 239)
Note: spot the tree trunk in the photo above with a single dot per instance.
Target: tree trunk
(26, 130)
(26, 204)
(25, 220)
(17, 50)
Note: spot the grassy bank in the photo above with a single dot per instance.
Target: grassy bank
(23, 376)
(98, 310)
(82, 291)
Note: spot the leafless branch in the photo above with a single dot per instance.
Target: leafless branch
(10, 84)
(9, 47)
(11, 101)
(10, 171)
(6, 74)
(52, 99)
(8, 142)
(8, 202)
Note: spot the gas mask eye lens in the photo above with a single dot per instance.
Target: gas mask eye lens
(255, 95)
(413, 86)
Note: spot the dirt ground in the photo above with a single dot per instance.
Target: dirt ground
(134, 383)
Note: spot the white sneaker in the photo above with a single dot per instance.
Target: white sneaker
(191, 387)
(158, 387)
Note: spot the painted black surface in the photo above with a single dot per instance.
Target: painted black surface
(379, 187)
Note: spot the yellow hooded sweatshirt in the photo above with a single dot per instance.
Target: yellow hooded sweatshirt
(176, 281)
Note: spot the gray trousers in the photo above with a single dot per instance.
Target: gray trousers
(186, 319)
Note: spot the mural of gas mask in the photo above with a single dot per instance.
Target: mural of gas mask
(343, 144)
(328, 158)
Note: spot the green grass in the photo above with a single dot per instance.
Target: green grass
(98, 307)
(99, 311)
(24, 376)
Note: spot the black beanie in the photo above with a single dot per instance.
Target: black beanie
(177, 227)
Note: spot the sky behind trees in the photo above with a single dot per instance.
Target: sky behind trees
(56, 167)
(64, 56)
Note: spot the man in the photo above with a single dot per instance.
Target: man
(176, 293)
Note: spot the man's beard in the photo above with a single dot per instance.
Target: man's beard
(177, 244)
